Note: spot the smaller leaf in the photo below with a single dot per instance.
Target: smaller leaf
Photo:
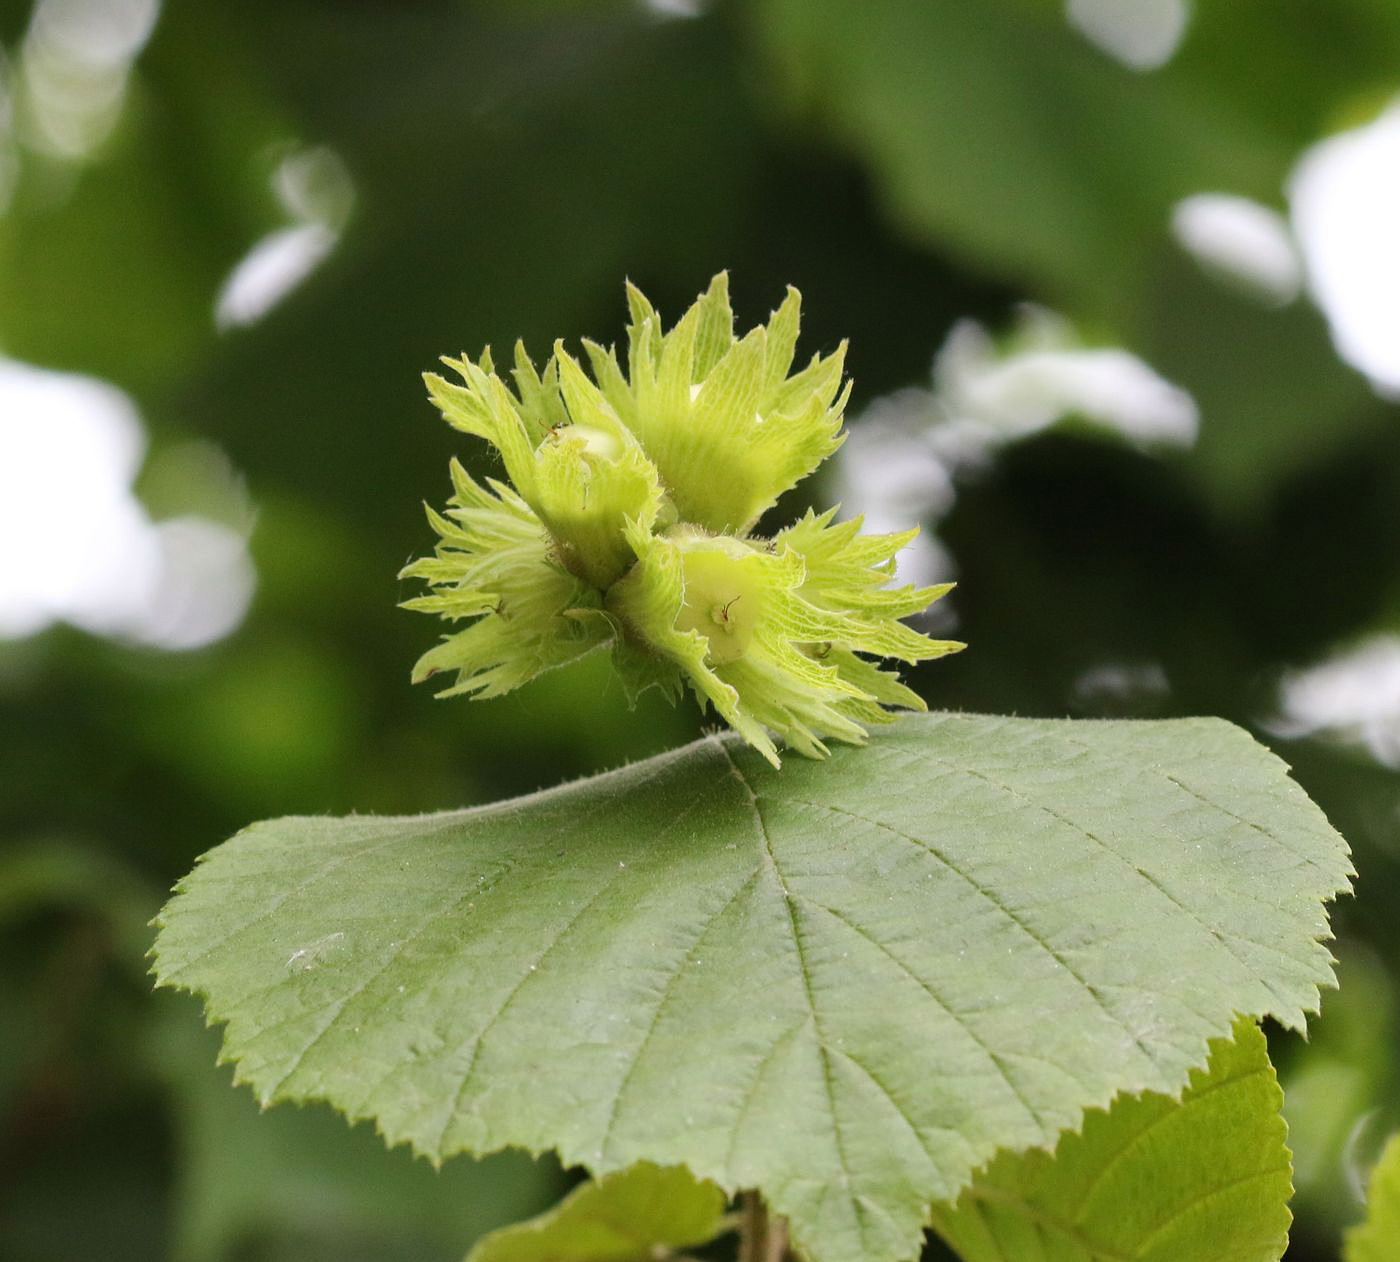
(1153, 1179)
(1378, 1238)
(640, 1214)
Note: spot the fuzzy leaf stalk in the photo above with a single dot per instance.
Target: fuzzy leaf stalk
(626, 520)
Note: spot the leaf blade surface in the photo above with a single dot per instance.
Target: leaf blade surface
(847, 984)
(642, 1214)
(1207, 1177)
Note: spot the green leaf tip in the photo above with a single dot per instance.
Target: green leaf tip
(644, 1213)
(628, 523)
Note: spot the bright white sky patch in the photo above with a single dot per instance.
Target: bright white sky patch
(899, 462)
(1345, 194)
(891, 475)
(1120, 684)
(1044, 376)
(315, 190)
(314, 186)
(206, 582)
(75, 543)
(1241, 240)
(1354, 695)
(270, 271)
(73, 68)
(1142, 34)
(674, 8)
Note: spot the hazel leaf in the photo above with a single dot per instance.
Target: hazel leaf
(1206, 1178)
(645, 1213)
(847, 985)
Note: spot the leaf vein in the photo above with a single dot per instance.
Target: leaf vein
(338, 1008)
(1120, 1154)
(1022, 925)
(898, 1108)
(1142, 873)
(750, 1091)
(805, 976)
(958, 1019)
(1209, 1194)
(267, 911)
(478, 1040)
(667, 993)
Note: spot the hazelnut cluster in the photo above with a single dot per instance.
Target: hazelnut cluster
(627, 522)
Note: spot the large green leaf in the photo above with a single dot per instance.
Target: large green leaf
(996, 133)
(1205, 1178)
(641, 1214)
(996, 130)
(1378, 1238)
(846, 984)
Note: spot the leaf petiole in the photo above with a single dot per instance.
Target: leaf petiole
(762, 1237)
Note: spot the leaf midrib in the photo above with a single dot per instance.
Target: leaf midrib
(805, 976)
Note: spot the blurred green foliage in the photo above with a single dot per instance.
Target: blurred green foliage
(905, 165)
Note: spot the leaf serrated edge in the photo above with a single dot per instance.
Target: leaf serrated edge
(600, 1166)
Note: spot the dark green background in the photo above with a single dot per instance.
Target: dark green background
(904, 163)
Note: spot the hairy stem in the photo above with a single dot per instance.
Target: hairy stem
(762, 1237)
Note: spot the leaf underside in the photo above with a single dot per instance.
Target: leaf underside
(1206, 1178)
(845, 984)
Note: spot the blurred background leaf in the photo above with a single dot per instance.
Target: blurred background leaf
(262, 222)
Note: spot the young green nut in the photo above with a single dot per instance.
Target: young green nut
(721, 600)
(627, 523)
(769, 632)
